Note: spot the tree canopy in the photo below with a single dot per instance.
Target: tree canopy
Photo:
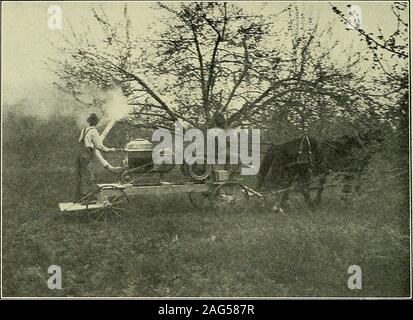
(206, 61)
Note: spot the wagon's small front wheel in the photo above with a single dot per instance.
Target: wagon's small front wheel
(111, 206)
(126, 177)
(198, 171)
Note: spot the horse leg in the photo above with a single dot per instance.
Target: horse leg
(305, 178)
(321, 182)
(260, 182)
(347, 188)
(358, 190)
(264, 172)
(285, 182)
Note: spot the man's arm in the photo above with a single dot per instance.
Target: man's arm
(106, 164)
(97, 142)
(102, 160)
(81, 135)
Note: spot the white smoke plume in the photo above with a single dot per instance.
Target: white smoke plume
(115, 109)
(45, 101)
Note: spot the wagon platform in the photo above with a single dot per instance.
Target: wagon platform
(113, 198)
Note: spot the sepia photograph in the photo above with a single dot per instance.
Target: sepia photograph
(198, 149)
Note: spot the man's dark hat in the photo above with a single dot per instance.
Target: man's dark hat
(93, 119)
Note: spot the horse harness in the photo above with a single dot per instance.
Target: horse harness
(304, 157)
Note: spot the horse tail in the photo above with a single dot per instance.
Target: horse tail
(265, 167)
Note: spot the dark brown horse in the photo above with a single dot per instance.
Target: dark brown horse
(348, 155)
(307, 160)
(295, 160)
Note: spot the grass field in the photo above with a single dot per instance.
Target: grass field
(165, 247)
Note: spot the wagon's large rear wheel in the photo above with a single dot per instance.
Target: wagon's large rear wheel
(113, 206)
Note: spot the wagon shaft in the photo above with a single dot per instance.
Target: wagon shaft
(162, 189)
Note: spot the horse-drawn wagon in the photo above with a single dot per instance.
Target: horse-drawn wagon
(208, 186)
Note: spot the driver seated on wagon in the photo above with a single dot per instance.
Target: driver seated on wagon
(89, 153)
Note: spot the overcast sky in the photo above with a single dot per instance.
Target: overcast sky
(26, 46)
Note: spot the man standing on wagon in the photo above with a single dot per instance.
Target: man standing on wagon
(90, 150)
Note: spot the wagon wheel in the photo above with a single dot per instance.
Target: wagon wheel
(197, 171)
(230, 194)
(201, 200)
(126, 177)
(113, 206)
